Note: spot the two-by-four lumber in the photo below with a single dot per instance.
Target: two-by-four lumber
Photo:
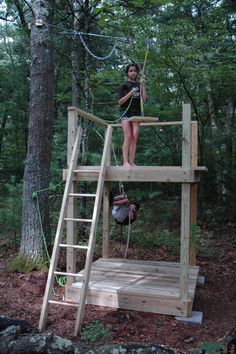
(88, 116)
(92, 236)
(106, 212)
(185, 205)
(71, 226)
(193, 196)
(58, 237)
(173, 174)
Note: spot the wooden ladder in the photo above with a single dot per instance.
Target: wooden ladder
(92, 237)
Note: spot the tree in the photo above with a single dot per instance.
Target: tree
(35, 212)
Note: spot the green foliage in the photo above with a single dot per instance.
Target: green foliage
(10, 209)
(204, 244)
(192, 60)
(20, 263)
(169, 240)
(95, 331)
(213, 348)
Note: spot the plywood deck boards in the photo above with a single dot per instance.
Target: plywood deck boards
(149, 286)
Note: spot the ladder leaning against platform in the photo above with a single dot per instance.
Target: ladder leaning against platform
(92, 236)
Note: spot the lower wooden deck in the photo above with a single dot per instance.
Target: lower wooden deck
(148, 286)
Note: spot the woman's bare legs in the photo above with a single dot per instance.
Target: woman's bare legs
(126, 125)
(133, 141)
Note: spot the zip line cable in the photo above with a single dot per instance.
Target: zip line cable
(92, 54)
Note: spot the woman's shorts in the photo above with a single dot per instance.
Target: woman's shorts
(126, 115)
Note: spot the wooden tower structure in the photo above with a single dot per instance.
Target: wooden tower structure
(149, 286)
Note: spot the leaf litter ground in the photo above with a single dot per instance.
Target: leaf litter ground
(22, 295)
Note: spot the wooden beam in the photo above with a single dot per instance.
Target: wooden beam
(193, 196)
(106, 212)
(71, 227)
(89, 116)
(169, 174)
(143, 119)
(184, 244)
(185, 205)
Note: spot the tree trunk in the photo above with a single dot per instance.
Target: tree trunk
(35, 214)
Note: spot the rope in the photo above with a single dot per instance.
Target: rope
(142, 77)
(60, 280)
(113, 121)
(128, 238)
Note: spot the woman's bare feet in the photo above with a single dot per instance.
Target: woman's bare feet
(126, 164)
(133, 165)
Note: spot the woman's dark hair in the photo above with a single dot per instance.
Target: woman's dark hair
(130, 65)
(136, 204)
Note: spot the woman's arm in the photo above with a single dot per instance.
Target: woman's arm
(125, 98)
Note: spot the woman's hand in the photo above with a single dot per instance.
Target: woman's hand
(134, 90)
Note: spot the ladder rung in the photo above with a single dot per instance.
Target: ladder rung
(79, 220)
(82, 195)
(73, 246)
(69, 274)
(62, 303)
(86, 171)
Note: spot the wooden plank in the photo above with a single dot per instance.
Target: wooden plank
(137, 262)
(137, 285)
(169, 174)
(126, 276)
(89, 116)
(71, 227)
(141, 267)
(167, 290)
(193, 196)
(185, 204)
(186, 137)
(154, 124)
(143, 119)
(154, 304)
(184, 249)
(106, 212)
(135, 274)
(71, 133)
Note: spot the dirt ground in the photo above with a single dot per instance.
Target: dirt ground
(22, 295)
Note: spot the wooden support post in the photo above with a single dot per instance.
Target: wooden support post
(106, 212)
(193, 194)
(185, 205)
(71, 226)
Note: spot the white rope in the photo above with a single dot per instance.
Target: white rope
(128, 237)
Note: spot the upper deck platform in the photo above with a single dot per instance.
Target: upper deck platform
(173, 174)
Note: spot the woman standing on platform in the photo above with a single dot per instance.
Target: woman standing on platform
(132, 93)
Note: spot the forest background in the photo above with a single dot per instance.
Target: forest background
(85, 46)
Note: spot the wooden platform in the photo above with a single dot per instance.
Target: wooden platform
(175, 174)
(148, 286)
